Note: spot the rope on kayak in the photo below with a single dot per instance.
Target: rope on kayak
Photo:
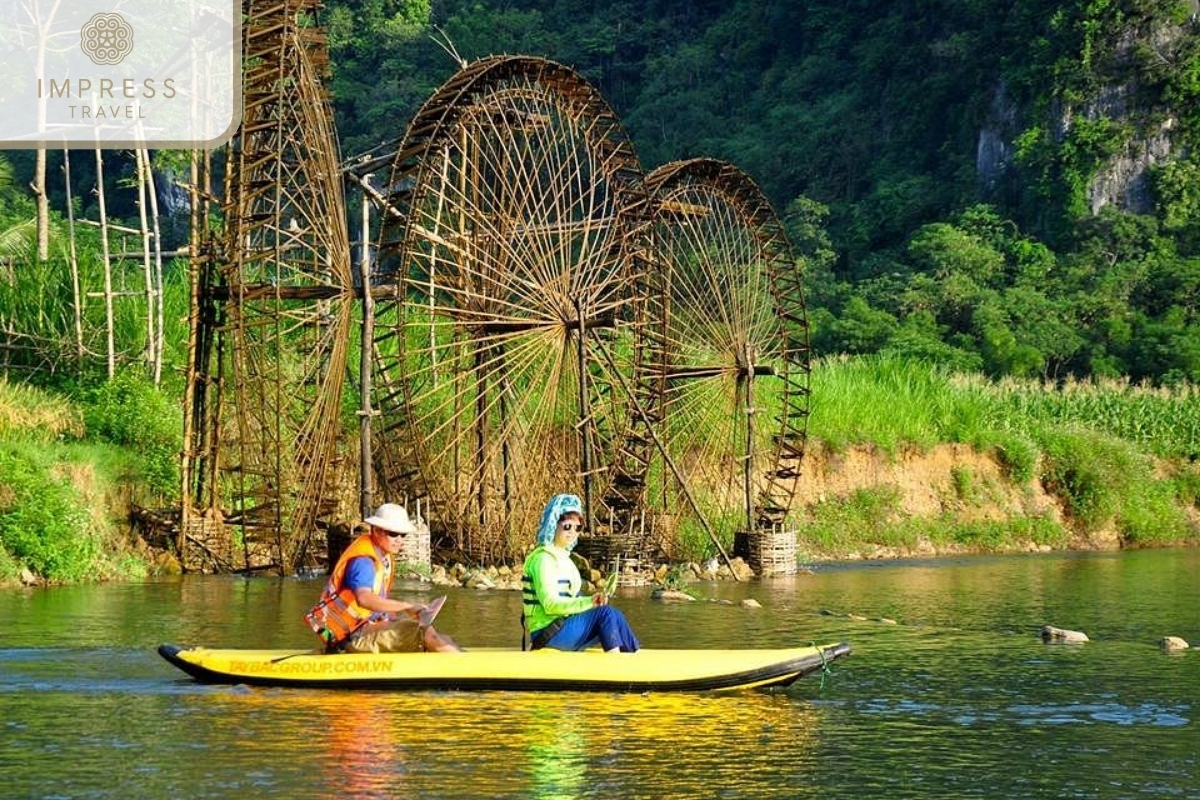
(825, 669)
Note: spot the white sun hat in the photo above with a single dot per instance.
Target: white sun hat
(392, 517)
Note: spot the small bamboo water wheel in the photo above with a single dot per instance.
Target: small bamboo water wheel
(729, 359)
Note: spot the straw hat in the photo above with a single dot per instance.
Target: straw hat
(392, 517)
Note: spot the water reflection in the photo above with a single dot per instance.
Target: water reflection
(555, 753)
(958, 699)
(498, 744)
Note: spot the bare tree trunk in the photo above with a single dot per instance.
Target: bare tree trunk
(39, 169)
(43, 205)
(158, 270)
(143, 168)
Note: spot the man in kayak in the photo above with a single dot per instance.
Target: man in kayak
(554, 612)
(355, 614)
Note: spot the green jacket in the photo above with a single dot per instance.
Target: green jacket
(550, 587)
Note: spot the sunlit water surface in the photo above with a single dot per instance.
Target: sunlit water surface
(949, 693)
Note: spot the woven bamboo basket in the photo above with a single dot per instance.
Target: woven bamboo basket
(768, 552)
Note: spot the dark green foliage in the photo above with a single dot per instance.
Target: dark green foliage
(865, 123)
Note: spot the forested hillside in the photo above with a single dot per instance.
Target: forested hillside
(1004, 187)
(1012, 187)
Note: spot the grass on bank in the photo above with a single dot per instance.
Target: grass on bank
(1116, 456)
(65, 463)
(1112, 453)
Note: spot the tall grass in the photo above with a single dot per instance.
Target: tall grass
(1103, 448)
(891, 401)
(37, 415)
(37, 314)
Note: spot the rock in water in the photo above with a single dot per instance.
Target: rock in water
(1051, 634)
(671, 595)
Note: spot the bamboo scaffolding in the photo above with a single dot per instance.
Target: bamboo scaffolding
(273, 317)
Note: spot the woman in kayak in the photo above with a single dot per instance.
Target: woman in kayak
(554, 612)
(355, 614)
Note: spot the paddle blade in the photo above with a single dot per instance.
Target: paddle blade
(610, 583)
(430, 611)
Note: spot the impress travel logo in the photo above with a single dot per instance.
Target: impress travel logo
(119, 73)
(106, 38)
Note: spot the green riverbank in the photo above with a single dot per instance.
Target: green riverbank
(903, 459)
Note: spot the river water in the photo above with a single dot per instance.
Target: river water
(949, 692)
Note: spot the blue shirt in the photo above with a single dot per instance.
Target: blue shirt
(360, 574)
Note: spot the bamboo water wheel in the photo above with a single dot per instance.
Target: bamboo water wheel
(729, 355)
(272, 319)
(510, 313)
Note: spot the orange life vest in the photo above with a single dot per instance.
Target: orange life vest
(337, 615)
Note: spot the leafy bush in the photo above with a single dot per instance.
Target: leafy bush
(10, 570)
(1004, 534)
(1187, 487)
(1087, 471)
(1149, 515)
(1016, 453)
(42, 520)
(129, 411)
(866, 516)
(1104, 480)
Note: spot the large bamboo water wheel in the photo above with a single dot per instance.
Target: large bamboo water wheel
(729, 355)
(513, 314)
(272, 321)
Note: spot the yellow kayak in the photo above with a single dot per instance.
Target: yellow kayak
(511, 670)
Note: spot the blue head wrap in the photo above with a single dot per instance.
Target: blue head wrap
(559, 505)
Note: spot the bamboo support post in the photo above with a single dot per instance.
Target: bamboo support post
(76, 297)
(108, 297)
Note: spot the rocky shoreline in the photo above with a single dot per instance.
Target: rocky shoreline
(668, 577)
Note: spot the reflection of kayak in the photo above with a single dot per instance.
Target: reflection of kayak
(540, 670)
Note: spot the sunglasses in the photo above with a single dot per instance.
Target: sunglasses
(392, 535)
(571, 526)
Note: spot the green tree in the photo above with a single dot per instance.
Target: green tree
(16, 233)
(378, 79)
(1177, 190)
